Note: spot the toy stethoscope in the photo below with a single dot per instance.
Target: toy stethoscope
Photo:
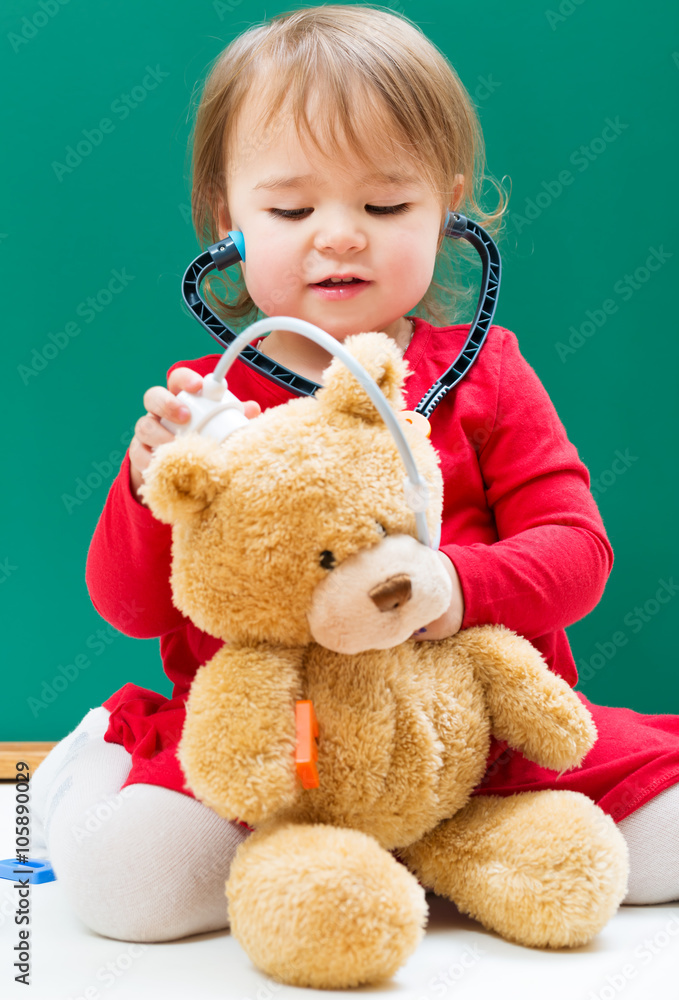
(216, 412)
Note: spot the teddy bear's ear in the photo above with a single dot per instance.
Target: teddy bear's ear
(183, 477)
(382, 359)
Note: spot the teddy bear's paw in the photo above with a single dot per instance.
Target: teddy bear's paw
(546, 869)
(254, 791)
(530, 707)
(557, 733)
(323, 907)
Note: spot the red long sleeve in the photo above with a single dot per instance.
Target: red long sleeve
(128, 565)
(550, 565)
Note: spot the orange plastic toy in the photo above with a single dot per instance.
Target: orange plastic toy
(306, 751)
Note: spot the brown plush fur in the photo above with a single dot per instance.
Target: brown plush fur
(280, 537)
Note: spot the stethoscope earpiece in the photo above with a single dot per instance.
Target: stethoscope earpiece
(238, 241)
(227, 252)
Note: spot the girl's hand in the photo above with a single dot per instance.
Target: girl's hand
(450, 621)
(161, 402)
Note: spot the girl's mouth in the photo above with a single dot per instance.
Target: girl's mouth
(337, 290)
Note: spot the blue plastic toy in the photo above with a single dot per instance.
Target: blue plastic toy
(35, 869)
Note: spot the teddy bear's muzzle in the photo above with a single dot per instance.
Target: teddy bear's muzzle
(376, 598)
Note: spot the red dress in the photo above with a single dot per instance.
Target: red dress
(519, 524)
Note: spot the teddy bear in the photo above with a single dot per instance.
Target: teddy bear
(293, 542)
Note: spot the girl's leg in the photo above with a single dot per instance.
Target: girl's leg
(142, 863)
(652, 835)
(632, 751)
(53, 778)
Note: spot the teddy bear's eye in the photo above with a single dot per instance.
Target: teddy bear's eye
(382, 530)
(327, 560)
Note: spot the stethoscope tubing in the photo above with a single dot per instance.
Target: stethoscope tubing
(229, 251)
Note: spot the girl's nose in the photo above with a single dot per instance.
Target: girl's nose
(339, 233)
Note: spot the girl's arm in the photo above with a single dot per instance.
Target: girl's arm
(550, 566)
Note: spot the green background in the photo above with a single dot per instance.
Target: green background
(545, 85)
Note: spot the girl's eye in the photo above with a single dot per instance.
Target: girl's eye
(297, 213)
(388, 209)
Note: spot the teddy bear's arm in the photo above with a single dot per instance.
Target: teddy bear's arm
(531, 708)
(237, 748)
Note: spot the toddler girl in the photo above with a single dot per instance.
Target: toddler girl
(335, 139)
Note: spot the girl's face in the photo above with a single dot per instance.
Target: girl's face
(306, 220)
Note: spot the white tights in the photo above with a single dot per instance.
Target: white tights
(141, 863)
(144, 863)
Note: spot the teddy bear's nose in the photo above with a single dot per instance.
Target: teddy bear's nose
(392, 593)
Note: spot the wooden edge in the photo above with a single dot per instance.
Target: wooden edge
(30, 753)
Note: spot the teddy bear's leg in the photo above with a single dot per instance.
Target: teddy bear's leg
(323, 906)
(544, 869)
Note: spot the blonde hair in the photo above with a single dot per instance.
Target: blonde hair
(409, 95)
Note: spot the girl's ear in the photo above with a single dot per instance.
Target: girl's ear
(183, 478)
